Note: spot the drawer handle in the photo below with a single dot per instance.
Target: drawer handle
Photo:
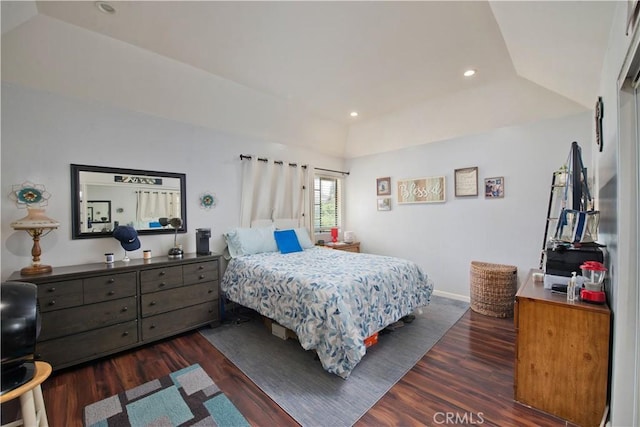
(152, 327)
(126, 333)
(52, 302)
(125, 308)
(152, 303)
(201, 267)
(111, 293)
(112, 280)
(162, 284)
(210, 291)
(162, 273)
(202, 276)
(51, 290)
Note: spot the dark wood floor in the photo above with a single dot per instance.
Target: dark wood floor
(466, 379)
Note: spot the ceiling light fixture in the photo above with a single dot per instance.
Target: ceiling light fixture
(469, 73)
(105, 7)
(354, 114)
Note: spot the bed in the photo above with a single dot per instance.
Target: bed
(333, 300)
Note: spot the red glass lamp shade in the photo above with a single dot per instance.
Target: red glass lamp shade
(334, 234)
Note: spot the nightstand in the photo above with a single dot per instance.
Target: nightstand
(342, 246)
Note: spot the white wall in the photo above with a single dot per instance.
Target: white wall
(617, 181)
(445, 238)
(43, 133)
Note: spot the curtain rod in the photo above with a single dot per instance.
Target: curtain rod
(279, 162)
(155, 192)
(331, 170)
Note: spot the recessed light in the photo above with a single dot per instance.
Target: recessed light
(354, 114)
(469, 73)
(105, 7)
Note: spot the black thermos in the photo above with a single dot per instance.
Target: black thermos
(202, 241)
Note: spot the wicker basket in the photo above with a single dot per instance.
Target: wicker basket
(493, 288)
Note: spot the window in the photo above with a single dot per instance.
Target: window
(327, 203)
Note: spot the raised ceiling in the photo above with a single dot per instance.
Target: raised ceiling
(378, 58)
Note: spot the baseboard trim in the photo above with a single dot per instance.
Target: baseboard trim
(452, 296)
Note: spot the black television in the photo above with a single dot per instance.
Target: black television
(20, 329)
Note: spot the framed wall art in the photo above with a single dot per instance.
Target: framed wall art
(383, 186)
(384, 204)
(466, 182)
(599, 113)
(208, 200)
(494, 187)
(422, 190)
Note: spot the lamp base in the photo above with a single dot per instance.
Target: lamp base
(36, 269)
(175, 253)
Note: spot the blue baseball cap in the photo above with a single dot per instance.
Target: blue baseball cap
(127, 236)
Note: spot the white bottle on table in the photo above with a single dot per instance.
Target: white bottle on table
(571, 287)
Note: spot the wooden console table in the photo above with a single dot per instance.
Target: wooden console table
(562, 354)
(93, 310)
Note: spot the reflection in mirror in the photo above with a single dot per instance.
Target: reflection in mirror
(104, 198)
(98, 212)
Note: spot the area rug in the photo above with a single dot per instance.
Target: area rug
(295, 380)
(187, 397)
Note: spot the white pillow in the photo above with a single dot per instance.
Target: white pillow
(303, 238)
(247, 241)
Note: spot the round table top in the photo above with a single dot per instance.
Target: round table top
(42, 372)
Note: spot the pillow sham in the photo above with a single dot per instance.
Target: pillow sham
(247, 241)
(287, 241)
(303, 238)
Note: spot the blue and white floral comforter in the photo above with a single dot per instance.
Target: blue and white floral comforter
(332, 299)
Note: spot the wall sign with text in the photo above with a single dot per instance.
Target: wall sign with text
(466, 182)
(131, 179)
(421, 190)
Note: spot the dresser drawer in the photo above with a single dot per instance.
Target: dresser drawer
(78, 348)
(56, 295)
(200, 272)
(172, 299)
(158, 279)
(69, 321)
(114, 286)
(180, 320)
(93, 310)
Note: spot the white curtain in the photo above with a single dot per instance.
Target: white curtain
(273, 191)
(157, 204)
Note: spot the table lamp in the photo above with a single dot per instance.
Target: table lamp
(176, 251)
(38, 225)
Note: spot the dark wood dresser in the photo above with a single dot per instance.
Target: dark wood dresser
(93, 310)
(562, 354)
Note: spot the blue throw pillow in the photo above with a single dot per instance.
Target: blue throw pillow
(287, 241)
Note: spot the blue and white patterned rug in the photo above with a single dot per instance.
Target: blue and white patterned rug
(188, 397)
